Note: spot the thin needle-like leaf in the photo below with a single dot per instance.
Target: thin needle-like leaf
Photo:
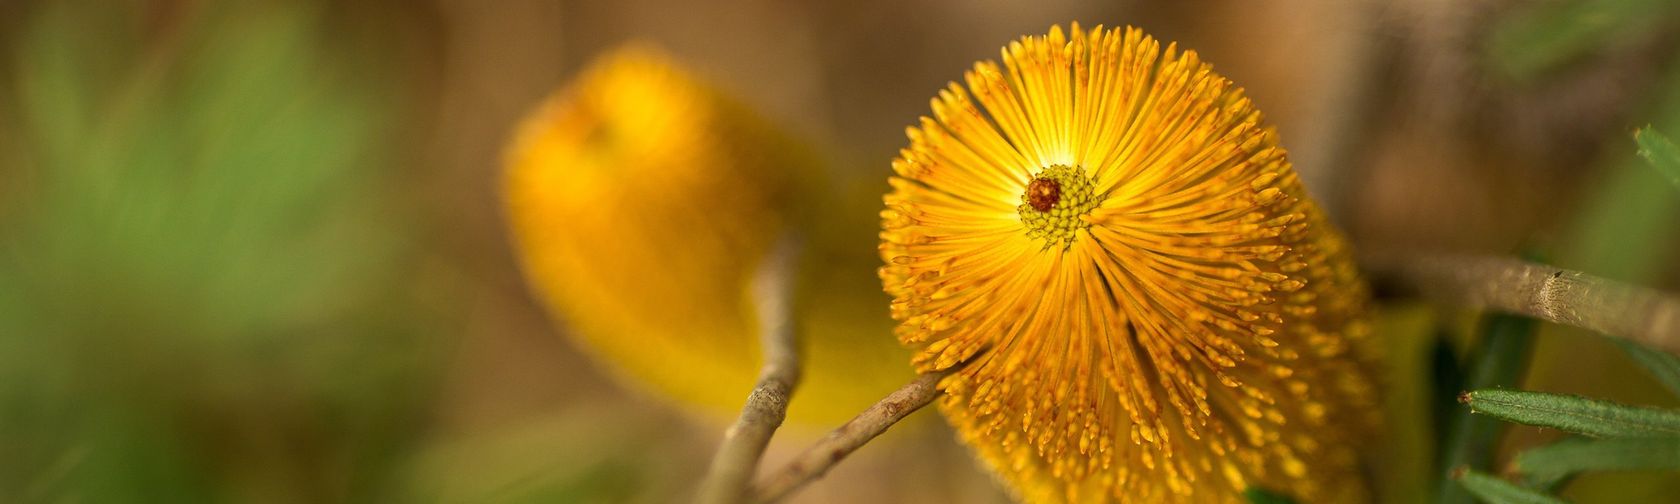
(1663, 366)
(1447, 380)
(1498, 361)
(1497, 491)
(1575, 414)
(1660, 152)
(1545, 466)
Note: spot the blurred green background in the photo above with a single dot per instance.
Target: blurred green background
(251, 251)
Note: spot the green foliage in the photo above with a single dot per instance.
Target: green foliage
(1626, 227)
(610, 481)
(1663, 366)
(1446, 380)
(1497, 491)
(203, 290)
(1574, 414)
(1660, 152)
(1547, 35)
(1633, 438)
(1546, 466)
(1624, 231)
(1257, 495)
(1499, 359)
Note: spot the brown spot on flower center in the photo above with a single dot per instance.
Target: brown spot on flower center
(1055, 204)
(1043, 194)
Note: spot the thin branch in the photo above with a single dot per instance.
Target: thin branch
(828, 451)
(736, 459)
(1639, 314)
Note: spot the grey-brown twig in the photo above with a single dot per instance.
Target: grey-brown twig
(822, 455)
(736, 459)
(1639, 314)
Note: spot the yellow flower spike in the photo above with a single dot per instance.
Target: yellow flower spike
(1150, 306)
(641, 203)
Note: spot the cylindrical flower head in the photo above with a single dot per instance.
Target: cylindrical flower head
(642, 202)
(1144, 303)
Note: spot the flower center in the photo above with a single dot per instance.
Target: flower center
(1054, 202)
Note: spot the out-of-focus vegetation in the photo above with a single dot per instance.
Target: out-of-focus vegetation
(1541, 37)
(206, 289)
(249, 251)
(1661, 153)
(1622, 437)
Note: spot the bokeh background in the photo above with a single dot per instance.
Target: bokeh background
(252, 251)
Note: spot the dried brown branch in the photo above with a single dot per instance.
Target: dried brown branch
(828, 451)
(736, 459)
(1639, 314)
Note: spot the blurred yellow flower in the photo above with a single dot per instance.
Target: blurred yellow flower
(1149, 305)
(641, 202)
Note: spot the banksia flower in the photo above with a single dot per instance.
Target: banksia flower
(641, 203)
(1143, 302)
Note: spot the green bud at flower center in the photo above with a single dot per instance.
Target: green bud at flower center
(1054, 202)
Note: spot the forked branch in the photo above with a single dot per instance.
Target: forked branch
(816, 460)
(736, 459)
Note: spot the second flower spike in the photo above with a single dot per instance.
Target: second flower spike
(642, 202)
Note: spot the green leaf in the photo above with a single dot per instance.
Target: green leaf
(1447, 380)
(206, 213)
(1660, 152)
(1257, 495)
(1497, 491)
(1548, 35)
(1545, 466)
(1663, 366)
(1498, 361)
(1575, 414)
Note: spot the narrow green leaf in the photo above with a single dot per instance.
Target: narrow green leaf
(1575, 414)
(1497, 491)
(1497, 361)
(1663, 366)
(1545, 466)
(1446, 381)
(1660, 152)
(1257, 495)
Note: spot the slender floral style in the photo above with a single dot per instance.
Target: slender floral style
(1145, 304)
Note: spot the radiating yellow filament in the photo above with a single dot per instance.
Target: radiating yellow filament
(1176, 326)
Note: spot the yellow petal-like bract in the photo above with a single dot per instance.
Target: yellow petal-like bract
(642, 202)
(1146, 305)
